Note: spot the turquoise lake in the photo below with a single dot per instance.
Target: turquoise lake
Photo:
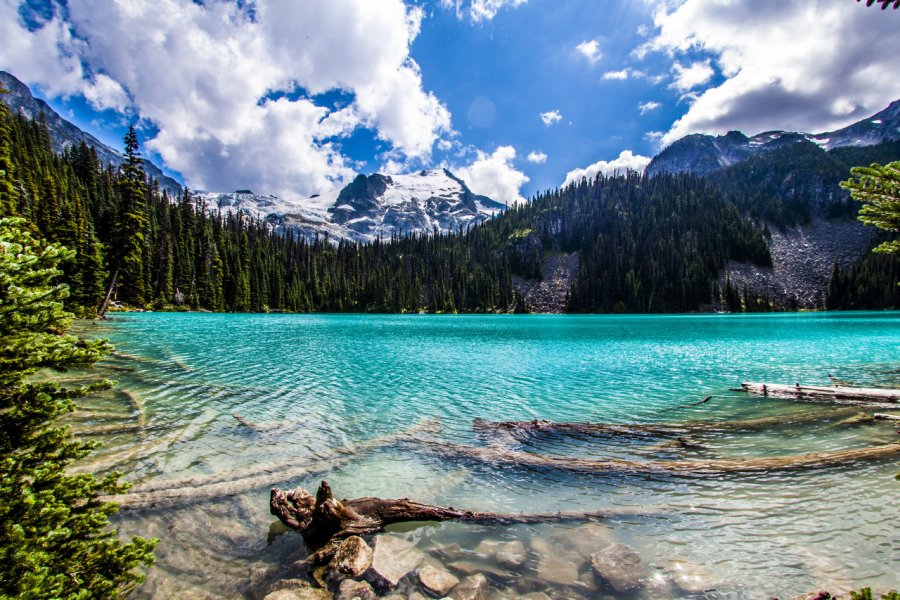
(234, 401)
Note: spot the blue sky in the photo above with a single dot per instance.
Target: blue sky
(515, 96)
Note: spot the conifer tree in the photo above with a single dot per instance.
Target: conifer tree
(129, 245)
(8, 194)
(878, 188)
(54, 535)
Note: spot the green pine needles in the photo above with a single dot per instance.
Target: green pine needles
(878, 188)
(55, 540)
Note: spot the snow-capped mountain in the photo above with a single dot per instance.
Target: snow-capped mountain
(704, 154)
(370, 207)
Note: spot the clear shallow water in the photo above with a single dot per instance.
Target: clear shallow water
(311, 383)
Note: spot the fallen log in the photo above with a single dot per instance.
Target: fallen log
(836, 394)
(886, 417)
(655, 429)
(193, 489)
(322, 518)
(815, 460)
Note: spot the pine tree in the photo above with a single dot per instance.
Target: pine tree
(129, 245)
(8, 195)
(878, 188)
(54, 535)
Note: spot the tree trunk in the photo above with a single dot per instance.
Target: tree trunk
(845, 395)
(323, 518)
(648, 430)
(502, 456)
(101, 312)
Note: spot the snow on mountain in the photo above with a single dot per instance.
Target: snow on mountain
(370, 207)
(704, 154)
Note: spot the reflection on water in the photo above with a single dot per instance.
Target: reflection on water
(221, 407)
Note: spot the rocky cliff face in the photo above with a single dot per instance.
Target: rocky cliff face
(802, 261)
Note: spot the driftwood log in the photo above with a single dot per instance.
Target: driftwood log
(813, 392)
(527, 428)
(503, 456)
(186, 491)
(322, 517)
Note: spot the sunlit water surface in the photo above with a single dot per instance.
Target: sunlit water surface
(308, 384)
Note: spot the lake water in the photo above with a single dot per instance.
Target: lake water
(305, 385)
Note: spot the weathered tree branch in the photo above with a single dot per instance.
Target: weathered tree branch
(323, 518)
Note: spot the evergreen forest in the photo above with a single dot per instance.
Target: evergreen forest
(646, 244)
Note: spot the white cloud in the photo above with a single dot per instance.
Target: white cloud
(551, 117)
(626, 161)
(494, 175)
(617, 75)
(480, 10)
(691, 76)
(537, 157)
(648, 106)
(206, 75)
(805, 66)
(590, 50)
(445, 145)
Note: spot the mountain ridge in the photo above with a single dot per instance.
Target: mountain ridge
(65, 134)
(703, 154)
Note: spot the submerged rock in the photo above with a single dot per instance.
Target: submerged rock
(260, 578)
(587, 539)
(507, 554)
(296, 589)
(392, 560)
(557, 565)
(355, 590)
(620, 566)
(470, 567)
(690, 577)
(352, 557)
(436, 581)
(307, 593)
(472, 587)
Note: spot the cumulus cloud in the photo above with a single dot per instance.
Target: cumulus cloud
(537, 157)
(479, 10)
(551, 117)
(617, 75)
(494, 175)
(648, 106)
(805, 66)
(590, 50)
(230, 89)
(691, 76)
(626, 161)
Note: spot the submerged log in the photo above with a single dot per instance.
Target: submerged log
(194, 489)
(812, 392)
(815, 460)
(655, 429)
(322, 518)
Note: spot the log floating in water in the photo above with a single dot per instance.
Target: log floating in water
(887, 417)
(323, 518)
(501, 456)
(813, 392)
(656, 429)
